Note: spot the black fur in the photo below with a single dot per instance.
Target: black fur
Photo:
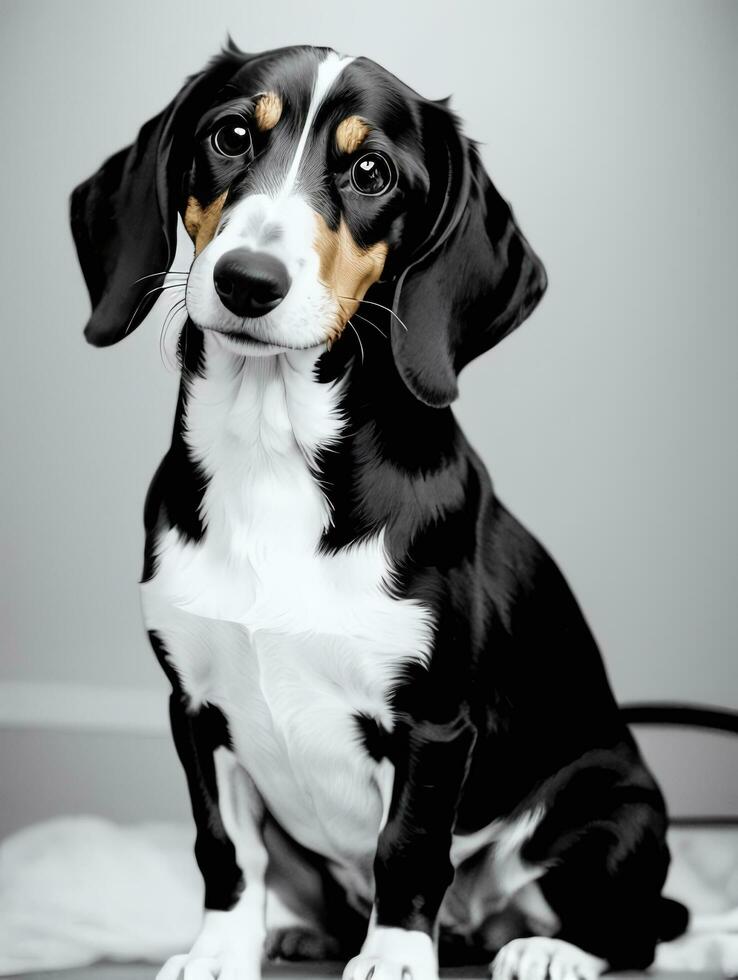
(515, 709)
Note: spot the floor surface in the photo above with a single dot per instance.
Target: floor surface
(305, 971)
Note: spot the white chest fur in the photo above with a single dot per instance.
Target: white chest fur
(289, 643)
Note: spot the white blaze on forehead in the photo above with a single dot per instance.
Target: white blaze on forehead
(328, 71)
(273, 217)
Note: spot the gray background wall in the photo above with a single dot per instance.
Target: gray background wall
(607, 421)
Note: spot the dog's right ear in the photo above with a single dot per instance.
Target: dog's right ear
(124, 217)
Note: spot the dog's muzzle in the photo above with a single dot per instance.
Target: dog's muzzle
(250, 284)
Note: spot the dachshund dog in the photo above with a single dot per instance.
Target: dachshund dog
(396, 727)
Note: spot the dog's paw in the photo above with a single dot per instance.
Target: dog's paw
(539, 958)
(300, 943)
(191, 967)
(224, 950)
(394, 954)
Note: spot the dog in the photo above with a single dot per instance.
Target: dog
(395, 724)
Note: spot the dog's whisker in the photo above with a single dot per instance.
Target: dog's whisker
(171, 285)
(371, 324)
(361, 346)
(381, 306)
(167, 272)
(156, 289)
(179, 306)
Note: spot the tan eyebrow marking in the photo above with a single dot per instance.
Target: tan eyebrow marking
(201, 222)
(351, 133)
(268, 111)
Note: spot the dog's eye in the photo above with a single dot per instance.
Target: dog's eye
(232, 137)
(372, 174)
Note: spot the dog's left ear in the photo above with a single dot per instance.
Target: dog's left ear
(472, 281)
(124, 217)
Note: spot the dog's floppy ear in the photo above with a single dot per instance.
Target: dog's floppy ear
(474, 278)
(124, 217)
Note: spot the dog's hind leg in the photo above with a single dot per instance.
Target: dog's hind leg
(602, 845)
(301, 902)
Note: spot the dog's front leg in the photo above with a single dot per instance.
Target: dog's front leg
(413, 869)
(229, 849)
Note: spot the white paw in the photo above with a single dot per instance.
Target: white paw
(191, 967)
(222, 951)
(394, 954)
(539, 958)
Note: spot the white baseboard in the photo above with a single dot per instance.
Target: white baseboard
(83, 707)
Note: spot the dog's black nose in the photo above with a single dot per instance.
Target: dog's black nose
(250, 283)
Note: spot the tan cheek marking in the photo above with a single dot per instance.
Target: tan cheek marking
(346, 270)
(201, 222)
(351, 133)
(268, 111)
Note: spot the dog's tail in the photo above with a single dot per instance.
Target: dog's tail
(674, 919)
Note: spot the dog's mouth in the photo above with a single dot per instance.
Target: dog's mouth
(240, 337)
(243, 337)
(243, 342)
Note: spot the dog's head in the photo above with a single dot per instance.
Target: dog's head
(305, 178)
